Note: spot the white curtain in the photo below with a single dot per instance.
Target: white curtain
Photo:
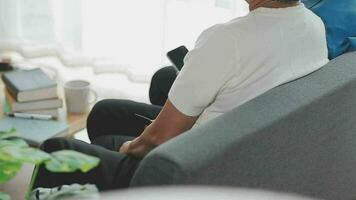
(126, 36)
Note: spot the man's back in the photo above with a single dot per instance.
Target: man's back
(260, 51)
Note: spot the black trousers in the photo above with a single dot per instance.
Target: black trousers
(109, 125)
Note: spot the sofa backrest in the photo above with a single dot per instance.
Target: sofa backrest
(298, 137)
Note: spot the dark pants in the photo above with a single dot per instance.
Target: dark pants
(109, 125)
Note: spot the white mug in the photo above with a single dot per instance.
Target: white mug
(77, 93)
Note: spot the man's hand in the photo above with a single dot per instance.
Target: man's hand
(125, 147)
(138, 147)
(169, 123)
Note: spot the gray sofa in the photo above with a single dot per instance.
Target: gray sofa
(299, 137)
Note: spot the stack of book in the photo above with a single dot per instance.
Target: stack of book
(32, 92)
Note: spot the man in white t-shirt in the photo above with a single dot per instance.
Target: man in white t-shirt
(235, 62)
(232, 63)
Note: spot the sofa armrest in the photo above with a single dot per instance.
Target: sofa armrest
(227, 147)
(175, 160)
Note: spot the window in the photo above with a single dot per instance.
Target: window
(132, 33)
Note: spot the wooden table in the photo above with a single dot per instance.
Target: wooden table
(76, 122)
(17, 187)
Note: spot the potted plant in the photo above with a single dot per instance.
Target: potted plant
(15, 151)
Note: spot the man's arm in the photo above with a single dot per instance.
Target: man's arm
(169, 123)
(206, 69)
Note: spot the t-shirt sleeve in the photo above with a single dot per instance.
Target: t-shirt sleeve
(206, 69)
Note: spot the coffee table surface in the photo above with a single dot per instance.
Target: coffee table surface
(76, 122)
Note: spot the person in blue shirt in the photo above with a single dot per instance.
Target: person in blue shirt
(339, 17)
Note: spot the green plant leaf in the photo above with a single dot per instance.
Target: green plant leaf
(27, 154)
(7, 134)
(8, 170)
(4, 196)
(13, 143)
(70, 161)
(4, 156)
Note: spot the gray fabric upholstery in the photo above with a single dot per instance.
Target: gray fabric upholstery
(299, 137)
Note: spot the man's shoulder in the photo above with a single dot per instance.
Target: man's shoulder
(240, 25)
(239, 20)
(228, 32)
(216, 32)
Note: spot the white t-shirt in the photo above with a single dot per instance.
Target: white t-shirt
(235, 62)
